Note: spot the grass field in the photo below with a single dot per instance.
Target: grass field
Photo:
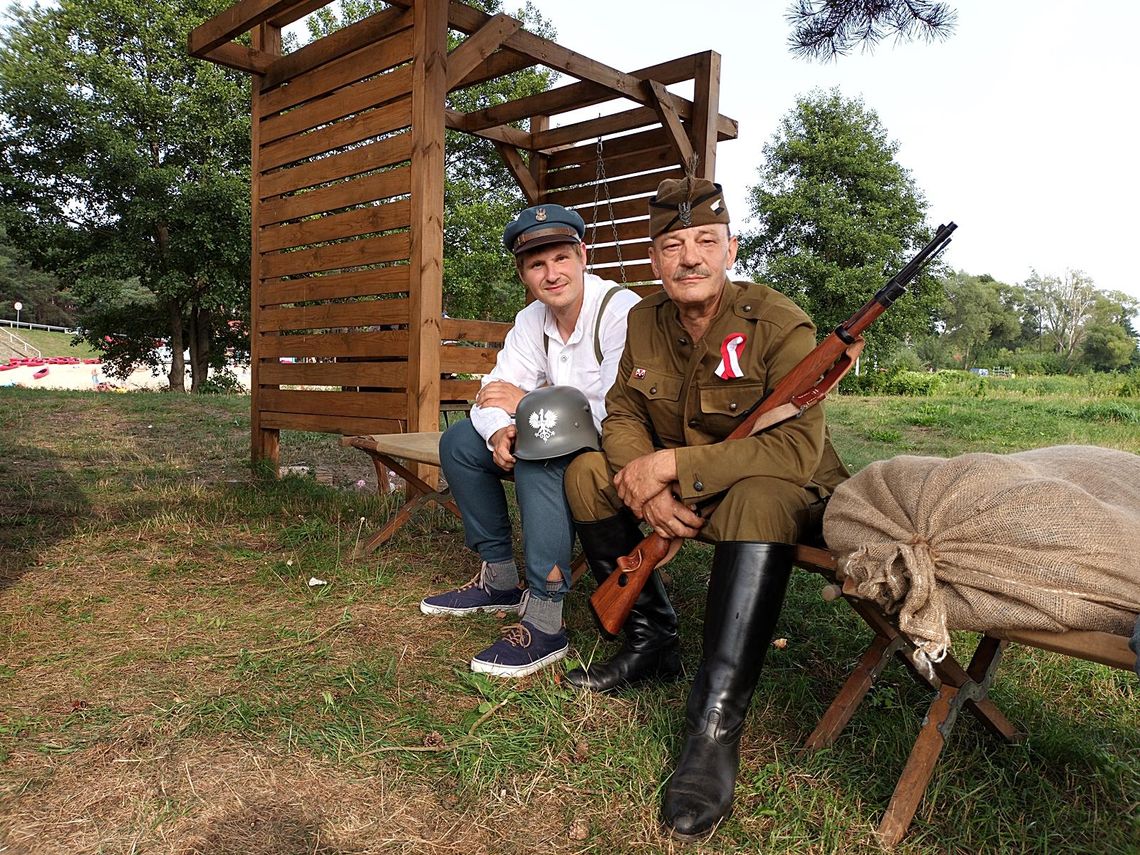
(53, 343)
(169, 682)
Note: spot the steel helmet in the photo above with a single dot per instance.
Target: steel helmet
(553, 421)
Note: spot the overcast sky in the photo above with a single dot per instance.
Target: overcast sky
(1021, 127)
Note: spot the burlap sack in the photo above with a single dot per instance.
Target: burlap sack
(1046, 540)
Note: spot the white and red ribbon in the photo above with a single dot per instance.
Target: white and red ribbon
(730, 350)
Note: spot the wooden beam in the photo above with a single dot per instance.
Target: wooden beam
(429, 91)
(519, 170)
(496, 65)
(298, 12)
(670, 121)
(239, 18)
(505, 134)
(233, 55)
(706, 108)
(574, 96)
(539, 162)
(478, 46)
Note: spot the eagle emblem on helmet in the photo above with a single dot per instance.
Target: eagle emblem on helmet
(543, 422)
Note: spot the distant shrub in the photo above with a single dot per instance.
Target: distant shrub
(1109, 411)
(915, 383)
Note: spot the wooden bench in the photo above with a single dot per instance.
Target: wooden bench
(956, 687)
(390, 453)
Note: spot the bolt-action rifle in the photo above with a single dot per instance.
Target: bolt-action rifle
(804, 386)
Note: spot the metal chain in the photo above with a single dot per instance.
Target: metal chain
(600, 180)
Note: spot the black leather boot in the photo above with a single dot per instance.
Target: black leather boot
(649, 649)
(746, 592)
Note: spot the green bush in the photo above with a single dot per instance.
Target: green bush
(915, 383)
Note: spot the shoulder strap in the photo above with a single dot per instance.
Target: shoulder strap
(597, 325)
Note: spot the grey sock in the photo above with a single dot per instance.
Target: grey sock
(502, 576)
(545, 615)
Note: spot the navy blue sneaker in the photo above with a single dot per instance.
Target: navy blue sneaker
(476, 596)
(522, 650)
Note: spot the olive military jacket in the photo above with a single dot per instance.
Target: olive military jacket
(668, 395)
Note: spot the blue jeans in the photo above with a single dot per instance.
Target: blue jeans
(476, 482)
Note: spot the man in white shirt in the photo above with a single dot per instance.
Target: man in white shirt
(571, 335)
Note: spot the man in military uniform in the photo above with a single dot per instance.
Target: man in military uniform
(697, 357)
(570, 336)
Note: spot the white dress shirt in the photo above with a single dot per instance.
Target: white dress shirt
(525, 362)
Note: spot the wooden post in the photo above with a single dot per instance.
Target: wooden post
(265, 443)
(538, 159)
(429, 89)
(706, 112)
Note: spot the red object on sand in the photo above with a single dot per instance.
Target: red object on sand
(41, 373)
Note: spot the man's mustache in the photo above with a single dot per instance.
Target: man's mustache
(685, 272)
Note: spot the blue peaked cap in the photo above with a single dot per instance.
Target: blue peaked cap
(541, 225)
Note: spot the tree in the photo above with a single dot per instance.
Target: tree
(127, 162)
(974, 317)
(1109, 339)
(825, 29)
(1065, 304)
(480, 194)
(836, 213)
(42, 295)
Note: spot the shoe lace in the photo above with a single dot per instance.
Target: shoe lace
(517, 634)
(479, 580)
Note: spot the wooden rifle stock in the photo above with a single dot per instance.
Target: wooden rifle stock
(804, 386)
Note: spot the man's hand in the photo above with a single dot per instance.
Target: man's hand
(645, 477)
(502, 443)
(669, 517)
(500, 394)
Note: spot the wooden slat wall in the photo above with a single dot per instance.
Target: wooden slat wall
(616, 211)
(332, 213)
(347, 183)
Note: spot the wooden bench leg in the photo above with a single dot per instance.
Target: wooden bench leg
(874, 660)
(423, 496)
(968, 688)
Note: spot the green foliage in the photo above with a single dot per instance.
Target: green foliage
(41, 294)
(123, 159)
(837, 214)
(974, 314)
(912, 383)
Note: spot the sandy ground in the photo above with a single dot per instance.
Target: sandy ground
(80, 377)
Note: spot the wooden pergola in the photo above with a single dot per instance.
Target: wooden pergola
(347, 194)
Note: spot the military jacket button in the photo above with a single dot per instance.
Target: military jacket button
(652, 390)
(698, 486)
(732, 406)
(693, 423)
(748, 308)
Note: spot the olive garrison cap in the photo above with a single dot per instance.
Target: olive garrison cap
(541, 225)
(684, 202)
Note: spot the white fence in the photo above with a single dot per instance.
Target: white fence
(24, 325)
